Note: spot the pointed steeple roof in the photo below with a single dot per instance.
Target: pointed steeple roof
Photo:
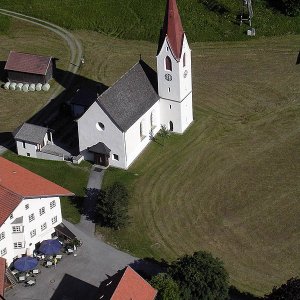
(172, 29)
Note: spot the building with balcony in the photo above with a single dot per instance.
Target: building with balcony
(29, 210)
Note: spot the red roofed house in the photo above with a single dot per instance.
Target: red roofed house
(28, 68)
(126, 285)
(29, 209)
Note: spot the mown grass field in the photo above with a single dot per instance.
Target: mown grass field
(17, 107)
(72, 177)
(204, 20)
(230, 184)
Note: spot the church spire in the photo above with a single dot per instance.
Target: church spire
(172, 29)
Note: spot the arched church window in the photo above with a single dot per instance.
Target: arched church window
(171, 126)
(142, 130)
(183, 60)
(168, 63)
(152, 120)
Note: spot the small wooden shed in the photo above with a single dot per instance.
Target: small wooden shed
(28, 68)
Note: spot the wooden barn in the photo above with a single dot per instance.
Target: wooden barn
(28, 68)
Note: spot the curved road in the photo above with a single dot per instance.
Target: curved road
(75, 46)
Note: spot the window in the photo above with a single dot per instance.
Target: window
(169, 90)
(142, 132)
(52, 204)
(152, 120)
(2, 235)
(183, 60)
(42, 211)
(167, 48)
(54, 220)
(171, 126)
(100, 126)
(170, 106)
(32, 233)
(115, 157)
(28, 154)
(31, 217)
(3, 251)
(18, 245)
(43, 226)
(11, 216)
(168, 63)
(16, 229)
(26, 206)
(24, 145)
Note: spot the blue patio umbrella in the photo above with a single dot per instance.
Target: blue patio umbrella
(25, 263)
(50, 247)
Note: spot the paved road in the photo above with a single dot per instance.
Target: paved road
(75, 277)
(93, 187)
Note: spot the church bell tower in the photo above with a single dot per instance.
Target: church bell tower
(174, 72)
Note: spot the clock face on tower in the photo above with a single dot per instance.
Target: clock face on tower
(168, 77)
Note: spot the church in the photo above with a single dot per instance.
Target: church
(120, 124)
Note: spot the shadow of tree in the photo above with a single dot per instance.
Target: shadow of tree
(3, 74)
(74, 288)
(235, 294)
(298, 59)
(215, 6)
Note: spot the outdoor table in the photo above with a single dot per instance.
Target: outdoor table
(59, 256)
(36, 271)
(30, 282)
(22, 278)
(70, 251)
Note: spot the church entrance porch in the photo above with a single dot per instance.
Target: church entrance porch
(101, 154)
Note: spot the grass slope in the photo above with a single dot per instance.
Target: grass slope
(71, 177)
(204, 20)
(17, 107)
(229, 185)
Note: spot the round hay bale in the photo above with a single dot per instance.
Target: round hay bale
(32, 87)
(46, 87)
(6, 85)
(19, 86)
(12, 86)
(25, 87)
(38, 87)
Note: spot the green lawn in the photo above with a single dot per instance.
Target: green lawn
(204, 20)
(230, 184)
(71, 177)
(17, 107)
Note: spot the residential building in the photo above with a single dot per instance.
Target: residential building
(2, 276)
(29, 210)
(123, 120)
(126, 284)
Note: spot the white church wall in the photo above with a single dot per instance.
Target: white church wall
(134, 143)
(91, 134)
(171, 111)
(26, 148)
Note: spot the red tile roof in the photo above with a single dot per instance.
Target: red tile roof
(173, 28)
(2, 275)
(27, 63)
(17, 183)
(126, 285)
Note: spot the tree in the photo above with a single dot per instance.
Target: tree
(288, 7)
(167, 288)
(164, 132)
(200, 276)
(112, 207)
(287, 291)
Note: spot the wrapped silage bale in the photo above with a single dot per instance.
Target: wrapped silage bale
(32, 87)
(12, 86)
(25, 87)
(19, 86)
(6, 85)
(46, 87)
(38, 87)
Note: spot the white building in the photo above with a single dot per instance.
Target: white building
(122, 121)
(29, 210)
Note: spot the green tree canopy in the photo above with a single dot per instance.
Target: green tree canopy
(200, 276)
(112, 207)
(167, 288)
(288, 7)
(287, 291)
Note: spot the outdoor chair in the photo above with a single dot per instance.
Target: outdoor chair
(70, 251)
(22, 278)
(30, 282)
(15, 272)
(36, 271)
(59, 256)
(49, 264)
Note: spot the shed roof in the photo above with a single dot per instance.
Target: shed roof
(2, 275)
(27, 63)
(30, 133)
(17, 183)
(100, 148)
(131, 96)
(126, 284)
